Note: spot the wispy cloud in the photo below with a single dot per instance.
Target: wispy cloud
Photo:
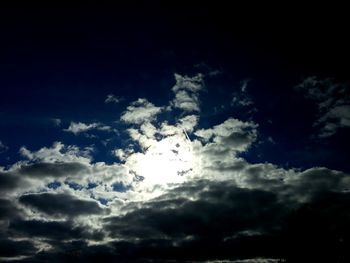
(80, 127)
(3, 147)
(56, 121)
(111, 98)
(241, 98)
(333, 101)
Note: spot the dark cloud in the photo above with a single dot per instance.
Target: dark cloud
(316, 181)
(7, 209)
(9, 181)
(201, 220)
(60, 204)
(55, 230)
(225, 222)
(220, 212)
(78, 251)
(319, 231)
(333, 101)
(52, 169)
(238, 139)
(11, 248)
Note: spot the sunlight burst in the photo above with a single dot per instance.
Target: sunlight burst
(166, 161)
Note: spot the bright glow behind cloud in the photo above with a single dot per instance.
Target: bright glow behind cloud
(165, 161)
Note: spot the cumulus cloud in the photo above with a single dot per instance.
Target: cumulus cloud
(140, 111)
(58, 153)
(186, 92)
(232, 133)
(189, 122)
(333, 101)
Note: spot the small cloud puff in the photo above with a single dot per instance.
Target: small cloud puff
(140, 111)
(111, 98)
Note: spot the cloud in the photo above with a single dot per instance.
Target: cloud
(79, 127)
(3, 147)
(219, 202)
(56, 121)
(9, 181)
(333, 101)
(15, 249)
(148, 129)
(240, 204)
(55, 230)
(242, 98)
(58, 153)
(111, 98)
(42, 169)
(177, 192)
(232, 133)
(315, 181)
(189, 122)
(140, 111)
(69, 168)
(186, 92)
(60, 204)
(8, 209)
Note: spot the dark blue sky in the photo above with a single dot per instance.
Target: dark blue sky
(168, 131)
(60, 62)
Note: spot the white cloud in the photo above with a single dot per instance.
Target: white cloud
(189, 122)
(232, 133)
(140, 111)
(193, 84)
(58, 153)
(148, 129)
(186, 92)
(80, 127)
(65, 164)
(186, 101)
(111, 98)
(143, 140)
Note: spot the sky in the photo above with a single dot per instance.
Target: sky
(174, 132)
